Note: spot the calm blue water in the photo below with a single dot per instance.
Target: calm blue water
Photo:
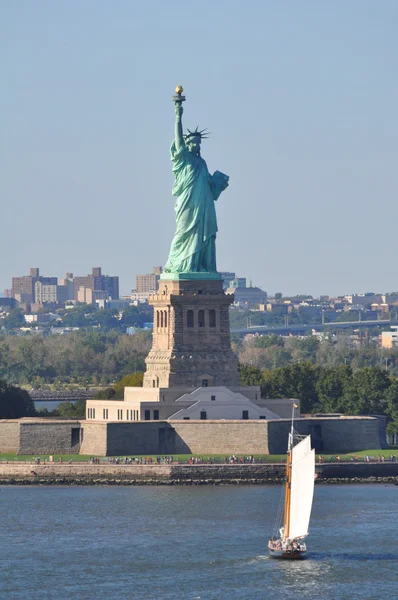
(192, 543)
(50, 405)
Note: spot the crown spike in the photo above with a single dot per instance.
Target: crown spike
(201, 133)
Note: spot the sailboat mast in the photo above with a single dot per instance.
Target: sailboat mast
(286, 523)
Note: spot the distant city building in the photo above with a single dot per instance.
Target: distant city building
(227, 277)
(279, 309)
(337, 304)
(36, 307)
(68, 284)
(23, 288)
(97, 283)
(86, 295)
(358, 307)
(387, 298)
(7, 303)
(139, 296)
(50, 293)
(40, 318)
(148, 284)
(62, 330)
(131, 301)
(248, 296)
(36, 290)
(389, 339)
(114, 304)
(364, 299)
(383, 308)
(238, 282)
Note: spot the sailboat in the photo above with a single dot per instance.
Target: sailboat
(299, 492)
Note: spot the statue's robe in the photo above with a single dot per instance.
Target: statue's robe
(193, 247)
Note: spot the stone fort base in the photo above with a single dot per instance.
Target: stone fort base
(40, 436)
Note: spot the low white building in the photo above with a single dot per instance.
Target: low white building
(219, 403)
(41, 318)
(212, 403)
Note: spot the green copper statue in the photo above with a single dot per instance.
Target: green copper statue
(193, 249)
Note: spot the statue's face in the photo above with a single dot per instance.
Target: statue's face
(193, 144)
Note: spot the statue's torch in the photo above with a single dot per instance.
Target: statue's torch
(179, 98)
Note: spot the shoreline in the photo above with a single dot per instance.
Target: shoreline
(185, 474)
(84, 481)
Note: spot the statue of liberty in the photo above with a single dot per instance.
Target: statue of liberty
(193, 249)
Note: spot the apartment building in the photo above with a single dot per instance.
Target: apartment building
(23, 288)
(97, 282)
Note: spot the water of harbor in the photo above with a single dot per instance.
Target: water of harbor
(50, 404)
(193, 543)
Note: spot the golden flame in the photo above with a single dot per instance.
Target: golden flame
(179, 89)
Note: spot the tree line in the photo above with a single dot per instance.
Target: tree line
(366, 391)
(98, 357)
(357, 350)
(83, 357)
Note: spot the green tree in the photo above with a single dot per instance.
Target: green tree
(133, 380)
(70, 409)
(303, 349)
(15, 402)
(391, 398)
(78, 316)
(366, 392)
(331, 388)
(106, 394)
(105, 318)
(95, 340)
(116, 392)
(65, 409)
(33, 360)
(265, 341)
(264, 358)
(250, 375)
(277, 356)
(14, 319)
(80, 408)
(392, 427)
(133, 316)
(294, 381)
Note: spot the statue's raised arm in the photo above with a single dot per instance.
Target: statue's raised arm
(178, 135)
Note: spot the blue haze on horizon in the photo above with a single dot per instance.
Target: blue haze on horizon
(301, 99)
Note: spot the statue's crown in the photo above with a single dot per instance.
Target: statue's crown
(202, 134)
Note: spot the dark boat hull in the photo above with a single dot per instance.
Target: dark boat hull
(287, 554)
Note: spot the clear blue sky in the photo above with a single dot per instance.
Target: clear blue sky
(301, 99)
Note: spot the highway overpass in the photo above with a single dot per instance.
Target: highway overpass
(302, 329)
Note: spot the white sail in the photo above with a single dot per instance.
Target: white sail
(302, 488)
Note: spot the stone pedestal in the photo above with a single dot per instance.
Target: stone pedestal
(191, 338)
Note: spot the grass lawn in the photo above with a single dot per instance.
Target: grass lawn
(373, 453)
(11, 456)
(267, 458)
